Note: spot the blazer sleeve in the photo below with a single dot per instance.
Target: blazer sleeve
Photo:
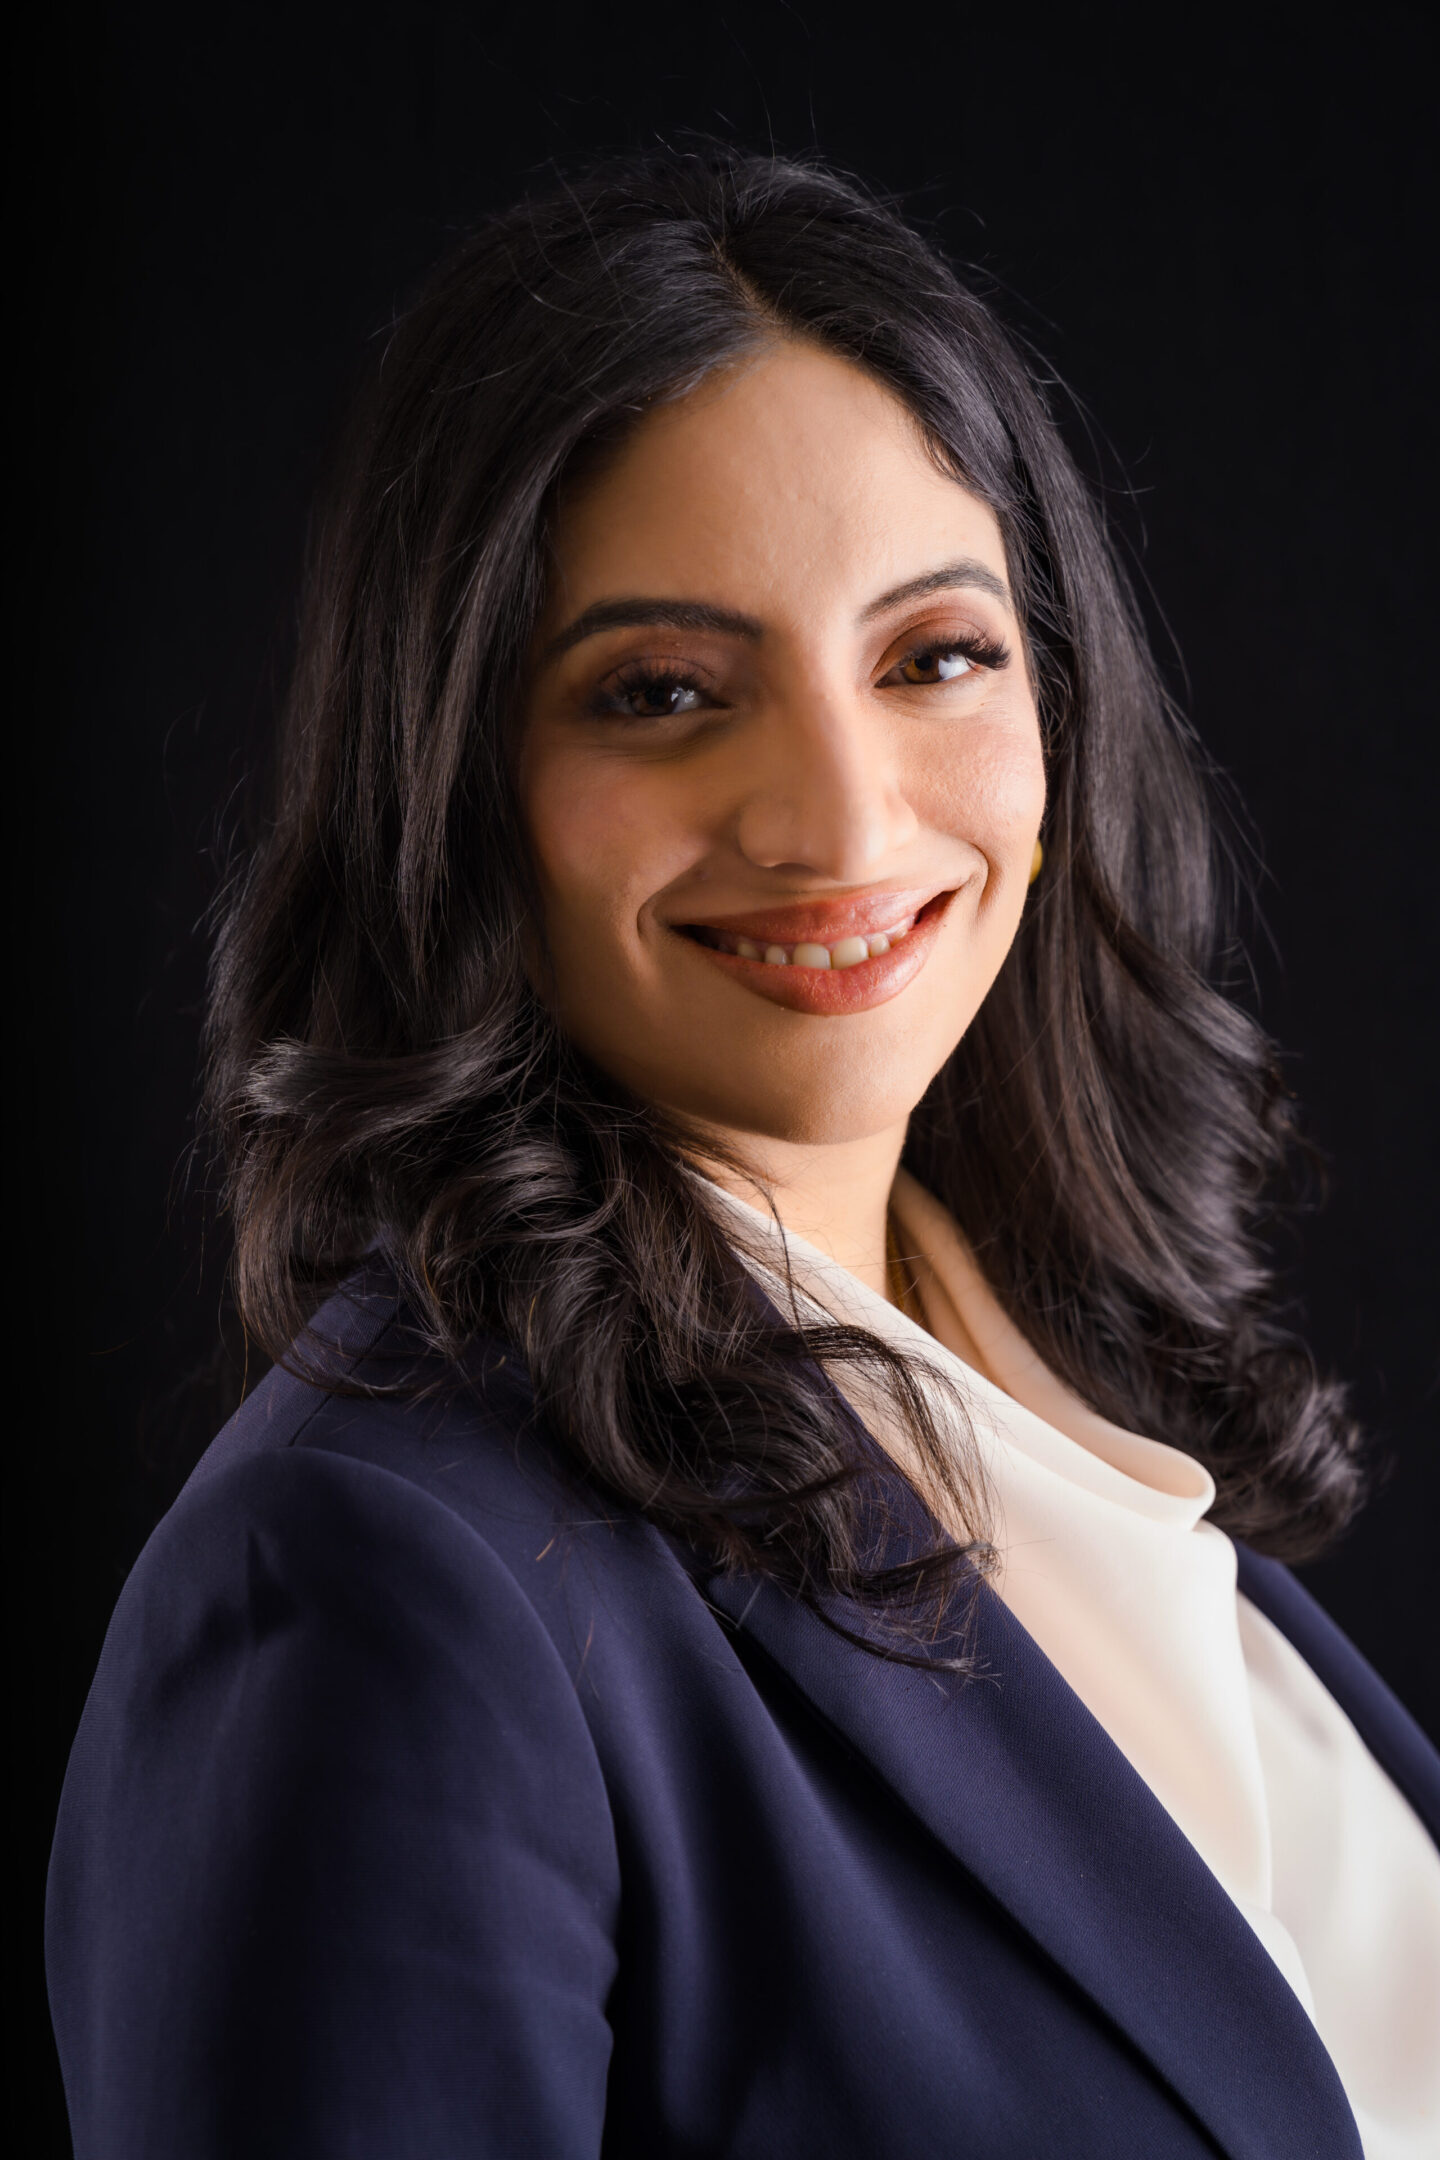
(335, 1871)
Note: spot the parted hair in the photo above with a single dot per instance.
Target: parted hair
(1108, 1134)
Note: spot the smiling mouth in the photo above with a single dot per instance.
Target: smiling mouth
(884, 942)
(846, 952)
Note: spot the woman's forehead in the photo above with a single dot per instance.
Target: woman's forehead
(790, 476)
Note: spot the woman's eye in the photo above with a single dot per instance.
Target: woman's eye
(942, 664)
(653, 697)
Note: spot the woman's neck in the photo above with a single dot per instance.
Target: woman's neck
(835, 1196)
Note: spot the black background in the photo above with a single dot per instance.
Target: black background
(1213, 223)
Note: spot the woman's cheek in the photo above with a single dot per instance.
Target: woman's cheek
(572, 809)
(599, 837)
(993, 796)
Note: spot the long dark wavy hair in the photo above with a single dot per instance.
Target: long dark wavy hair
(1107, 1133)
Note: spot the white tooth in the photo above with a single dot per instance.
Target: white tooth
(811, 956)
(849, 952)
(877, 945)
(747, 949)
(902, 930)
(776, 956)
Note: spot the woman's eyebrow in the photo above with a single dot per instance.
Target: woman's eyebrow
(644, 614)
(949, 576)
(640, 614)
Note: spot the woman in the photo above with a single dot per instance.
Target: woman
(721, 1635)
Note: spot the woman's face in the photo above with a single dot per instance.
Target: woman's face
(781, 769)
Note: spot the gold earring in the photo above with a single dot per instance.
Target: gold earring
(1035, 861)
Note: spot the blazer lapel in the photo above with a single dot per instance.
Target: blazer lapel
(1383, 1723)
(1015, 1777)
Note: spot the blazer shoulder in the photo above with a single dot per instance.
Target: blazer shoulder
(333, 1774)
(358, 1383)
(404, 1438)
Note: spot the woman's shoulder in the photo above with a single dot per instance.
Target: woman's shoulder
(334, 1766)
(360, 1387)
(360, 1471)
(360, 1384)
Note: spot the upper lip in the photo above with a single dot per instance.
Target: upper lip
(823, 922)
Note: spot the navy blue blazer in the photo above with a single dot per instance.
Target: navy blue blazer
(422, 1811)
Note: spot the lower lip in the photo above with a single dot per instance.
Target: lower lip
(838, 990)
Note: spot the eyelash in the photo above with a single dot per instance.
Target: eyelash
(981, 651)
(642, 675)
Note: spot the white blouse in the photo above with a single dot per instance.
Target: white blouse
(1107, 1561)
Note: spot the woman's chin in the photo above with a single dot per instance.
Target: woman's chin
(798, 1109)
(742, 1064)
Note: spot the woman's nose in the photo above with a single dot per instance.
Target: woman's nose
(824, 794)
